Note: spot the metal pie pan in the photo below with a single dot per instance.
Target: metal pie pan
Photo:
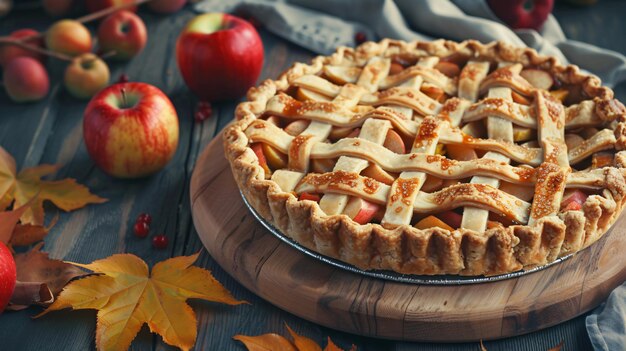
(391, 275)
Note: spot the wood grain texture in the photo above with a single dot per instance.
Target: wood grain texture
(49, 131)
(368, 306)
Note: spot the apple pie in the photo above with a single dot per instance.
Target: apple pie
(433, 157)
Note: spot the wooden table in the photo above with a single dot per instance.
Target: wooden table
(50, 131)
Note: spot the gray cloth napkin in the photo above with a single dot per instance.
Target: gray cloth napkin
(322, 25)
(606, 325)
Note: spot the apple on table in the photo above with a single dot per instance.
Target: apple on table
(57, 8)
(219, 56)
(68, 37)
(86, 75)
(25, 79)
(9, 52)
(8, 275)
(166, 6)
(124, 33)
(97, 5)
(130, 129)
(522, 13)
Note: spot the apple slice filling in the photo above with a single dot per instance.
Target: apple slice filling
(396, 140)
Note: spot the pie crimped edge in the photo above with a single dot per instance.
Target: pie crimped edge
(405, 249)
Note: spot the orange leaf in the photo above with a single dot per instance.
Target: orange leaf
(24, 186)
(8, 221)
(265, 342)
(35, 266)
(271, 342)
(303, 343)
(558, 347)
(28, 234)
(482, 347)
(28, 293)
(332, 347)
(127, 295)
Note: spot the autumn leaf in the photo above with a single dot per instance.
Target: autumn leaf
(558, 346)
(302, 342)
(272, 341)
(482, 347)
(266, 342)
(35, 266)
(27, 293)
(21, 187)
(28, 234)
(8, 221)
(126, 296)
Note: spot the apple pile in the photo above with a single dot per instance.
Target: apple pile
(120, 36)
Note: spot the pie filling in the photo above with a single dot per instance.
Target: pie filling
(453, 142)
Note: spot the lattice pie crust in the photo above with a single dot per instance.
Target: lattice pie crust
(447, 129)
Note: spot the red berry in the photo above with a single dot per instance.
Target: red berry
(141, 229)
(144, 217)
(360, 38)
(203, 111)
(159, 241)
(123, 78)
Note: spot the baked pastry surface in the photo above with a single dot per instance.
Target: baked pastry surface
(433, 157)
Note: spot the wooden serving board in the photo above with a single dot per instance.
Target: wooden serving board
(358, 304)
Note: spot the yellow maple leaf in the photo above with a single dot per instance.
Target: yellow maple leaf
(27, 186)
(272, 342)
(127, 296)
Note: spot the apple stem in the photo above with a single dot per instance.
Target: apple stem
(87, 18)
(124, 97)
(108, 54)
(20, 43)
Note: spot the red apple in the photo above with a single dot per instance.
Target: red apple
(25, 79)
(68, 37)
(220, 56)
(9, 52)
(130, 129)
(522, 13)
(361, 211)
(86, 75)
(7, 275)
(57, 8)
(166, 6)
(97, 5)
(123, 32)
